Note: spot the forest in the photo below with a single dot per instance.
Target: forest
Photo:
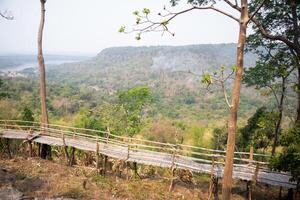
(241, 99)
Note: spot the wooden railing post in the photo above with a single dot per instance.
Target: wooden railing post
(74, 134)
(128, 151)
(251, 155)
(5, 125)
(107, 135)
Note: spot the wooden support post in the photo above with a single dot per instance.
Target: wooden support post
(72, 157)
(256, 173)
(97, 155)
(249, 190)
(213, 186)
(280, 193)
(250, 183)
(297, 190)
(8, 148)
(290, 194)
(127, 170)
(216, 188)
(127, 163)
(172, 180)
(30, 143)
(104, 165)
(135, 169)
(30, 148)
(39, 149)
(65, 148)
(173, 168)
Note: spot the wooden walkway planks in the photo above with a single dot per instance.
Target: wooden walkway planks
(163, 159)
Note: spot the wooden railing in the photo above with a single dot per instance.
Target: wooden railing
(197, 154)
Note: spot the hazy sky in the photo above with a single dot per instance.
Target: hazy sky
(88, 26)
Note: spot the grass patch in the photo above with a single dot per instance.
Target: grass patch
(75, 193)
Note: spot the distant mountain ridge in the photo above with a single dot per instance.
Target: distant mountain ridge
(177, 58)
(161, 67)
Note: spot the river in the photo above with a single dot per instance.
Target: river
(21, 67)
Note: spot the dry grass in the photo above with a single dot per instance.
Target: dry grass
(41, 178)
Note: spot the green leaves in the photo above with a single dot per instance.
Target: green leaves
(133, 102)
(138, 20)
(122, 29)
(146, 11)
(234, 68)
(138, 36)
(206, 79)
(289, 158)
(136, 12)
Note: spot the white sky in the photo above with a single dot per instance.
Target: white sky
(88, 26)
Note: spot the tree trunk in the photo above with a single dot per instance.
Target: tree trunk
(46, 149)
(232, 123)
(280, 110)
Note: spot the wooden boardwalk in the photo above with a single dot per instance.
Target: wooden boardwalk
(247, 166)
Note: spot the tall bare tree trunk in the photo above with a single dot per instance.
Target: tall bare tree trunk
(298, 93)
(232, 122)
(46, 149)
(296, 33)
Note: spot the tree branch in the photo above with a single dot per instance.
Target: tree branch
(268, 35)
(274, 93)
(219, 11)
(202, 8)
(256, 11)
(161, 26)
(224, 90)
(8, 17)
(234, 6)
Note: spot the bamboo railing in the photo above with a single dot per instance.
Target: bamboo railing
(246, 164)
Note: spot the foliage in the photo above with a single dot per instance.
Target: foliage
(276, 17)
(289, 159)
(133, 102)
(3, 90)
(271, 68)
(114, 117)
(89, 119)
(259, 130)
(165, 131)
(220, 138)
(27, 115)
(197, 135)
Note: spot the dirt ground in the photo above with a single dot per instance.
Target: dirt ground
(36, 178)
